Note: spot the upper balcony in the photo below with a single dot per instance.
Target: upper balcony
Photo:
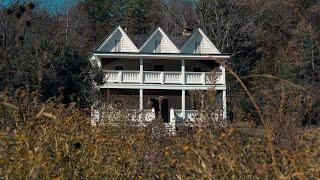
(171, 74)
(165, 77)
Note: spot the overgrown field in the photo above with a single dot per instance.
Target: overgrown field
(45, 141)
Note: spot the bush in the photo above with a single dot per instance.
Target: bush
(49, 140)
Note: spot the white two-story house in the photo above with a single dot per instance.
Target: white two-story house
(142, 69)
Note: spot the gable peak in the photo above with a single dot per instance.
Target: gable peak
(124, 43)
(162, 41)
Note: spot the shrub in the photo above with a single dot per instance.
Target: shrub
(50, 140)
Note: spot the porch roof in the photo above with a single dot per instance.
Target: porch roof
(173, 56)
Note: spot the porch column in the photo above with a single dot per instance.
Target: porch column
(183, 71)
(98, 61)
(223, 70)
(140, 99)
(141, 71)
(183, 104)
(224, 101)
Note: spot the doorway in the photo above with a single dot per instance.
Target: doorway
(161, 106)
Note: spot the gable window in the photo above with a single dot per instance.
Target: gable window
(157, 46)
(117, 45)
(197, 47)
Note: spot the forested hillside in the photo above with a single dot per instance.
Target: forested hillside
(48, 52)
(273, 87)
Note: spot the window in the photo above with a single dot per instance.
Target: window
(197, 47)
(119, 68)
(158, 67)
(157, 46)
(196, 69)
(117, 45)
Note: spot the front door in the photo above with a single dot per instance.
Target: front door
(164, 109)
(161, 107)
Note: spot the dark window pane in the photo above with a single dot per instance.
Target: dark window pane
(196, 69)
(158, 67)
(119, 68)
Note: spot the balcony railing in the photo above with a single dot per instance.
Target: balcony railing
(156, 77)
(192, 116)
(112, 115)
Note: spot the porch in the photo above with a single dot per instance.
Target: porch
(122, 71)
(164, 77)
(174, 107)
(176, 118)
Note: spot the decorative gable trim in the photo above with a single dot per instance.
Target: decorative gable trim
(205, 40)
(130, 44)
(165, 38)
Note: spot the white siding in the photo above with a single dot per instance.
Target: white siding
(207, 48)
(126, 44)
(167, 45)
(206, 45)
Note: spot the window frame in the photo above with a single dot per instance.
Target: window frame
(117, 45)
(157, 46)
(197, 47)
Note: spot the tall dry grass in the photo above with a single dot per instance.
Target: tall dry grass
(49, 140)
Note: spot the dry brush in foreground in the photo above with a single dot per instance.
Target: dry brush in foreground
(48, 140)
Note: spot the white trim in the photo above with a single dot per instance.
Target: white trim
(161, 86)
(183, 71)
(141, 99)
(224, 106)
(183, 103)
(223, 70)
(95, 61)
(161, 56)
(141, 70)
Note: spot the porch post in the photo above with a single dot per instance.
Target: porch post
(223, 70)
(183, 103)
(141, 71)
(183, 71)
(224, 101)
(140, 99)
(98, 61)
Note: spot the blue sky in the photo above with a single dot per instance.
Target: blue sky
(51, 5)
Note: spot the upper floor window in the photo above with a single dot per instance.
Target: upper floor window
(157, 46)
(197, 47)
(158, 67)
(119, 68)
(196, 69)
(117, 45)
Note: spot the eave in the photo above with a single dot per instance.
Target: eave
(173, 56)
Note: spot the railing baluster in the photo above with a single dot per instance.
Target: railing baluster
(162, 77)
(120, 76)
(203, 78)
